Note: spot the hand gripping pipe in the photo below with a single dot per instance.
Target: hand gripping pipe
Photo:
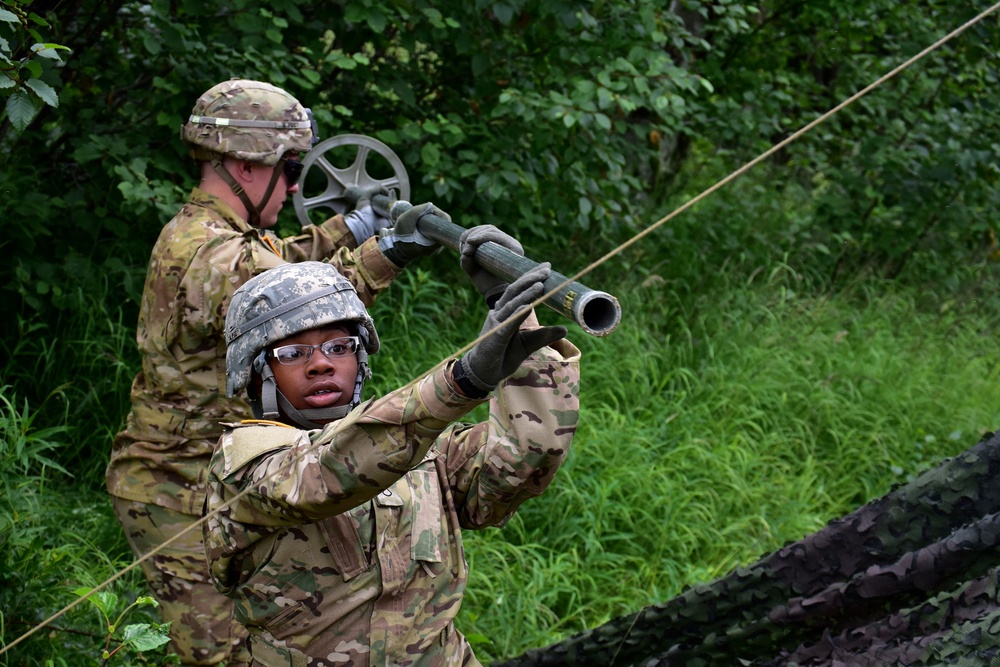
(597, 313)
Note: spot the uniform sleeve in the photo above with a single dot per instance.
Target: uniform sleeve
(496, 465)
(325, 472)
(365, 265)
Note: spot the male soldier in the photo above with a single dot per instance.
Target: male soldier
(343, 545)
(248, 137)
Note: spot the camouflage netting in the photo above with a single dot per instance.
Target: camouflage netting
(908, 579)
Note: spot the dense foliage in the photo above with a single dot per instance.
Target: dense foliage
(563, 120)
(571, 124)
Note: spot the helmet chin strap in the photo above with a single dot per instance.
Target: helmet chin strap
(253, 210)
(272, 403)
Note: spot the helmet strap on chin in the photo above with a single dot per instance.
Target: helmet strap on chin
(253, 210)
(304, 418)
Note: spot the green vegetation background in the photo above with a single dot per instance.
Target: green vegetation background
(804, 339)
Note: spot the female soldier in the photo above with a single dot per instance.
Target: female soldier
(341, 544)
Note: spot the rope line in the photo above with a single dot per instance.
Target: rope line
(616, 251)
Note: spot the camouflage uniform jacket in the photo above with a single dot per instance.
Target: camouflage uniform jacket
(178, 398)
(352, 555)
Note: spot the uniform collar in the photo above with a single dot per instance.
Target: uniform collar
(201, 198)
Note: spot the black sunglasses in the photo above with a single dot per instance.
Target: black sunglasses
(293, 169)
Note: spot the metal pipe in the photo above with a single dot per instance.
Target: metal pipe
(598, 313)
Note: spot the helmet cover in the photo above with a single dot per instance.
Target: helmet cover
(285, 301)
(248, 120)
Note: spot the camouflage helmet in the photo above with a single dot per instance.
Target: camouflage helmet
(285, 301)
(248, 120)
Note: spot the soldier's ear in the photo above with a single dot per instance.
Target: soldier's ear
(244, 171)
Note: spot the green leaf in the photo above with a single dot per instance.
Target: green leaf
(430, 154)
(480, 63)
(405, 92)
(273, 35)
(389, 137)
(144, 637)
(503, 12)
(376, 21)
(88, 152)
(20, 110)
(605, 98)
(355, 12)
(106, 601)
(44, 91)
(49, 50)
(435, 17)
(151, 43)
(560, 98)
(411, 131)
(34, 67)
(8, 17)
(603, 121)
(6, 83)
(344, 62)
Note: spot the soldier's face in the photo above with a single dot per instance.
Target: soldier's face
(322, 381)
(282, 191)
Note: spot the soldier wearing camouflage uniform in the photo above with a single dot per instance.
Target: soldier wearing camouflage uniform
(247, 136)
(342, 545)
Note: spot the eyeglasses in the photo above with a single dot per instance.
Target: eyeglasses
(293, 169)
(296, 355)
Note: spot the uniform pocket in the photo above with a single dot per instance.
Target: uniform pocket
(428, 516)
(345, 545)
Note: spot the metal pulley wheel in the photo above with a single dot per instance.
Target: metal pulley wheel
(343, 161)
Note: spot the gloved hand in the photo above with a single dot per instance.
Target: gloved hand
(496, 357)
(356, 196)
(364, 221)
(402, 243)
(490, 286)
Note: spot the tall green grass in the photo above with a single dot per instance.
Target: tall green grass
(715, 431)
(56, 533)
(76, 371)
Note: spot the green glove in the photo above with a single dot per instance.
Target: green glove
(489, 285)
(496, 357)
(402, 243)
